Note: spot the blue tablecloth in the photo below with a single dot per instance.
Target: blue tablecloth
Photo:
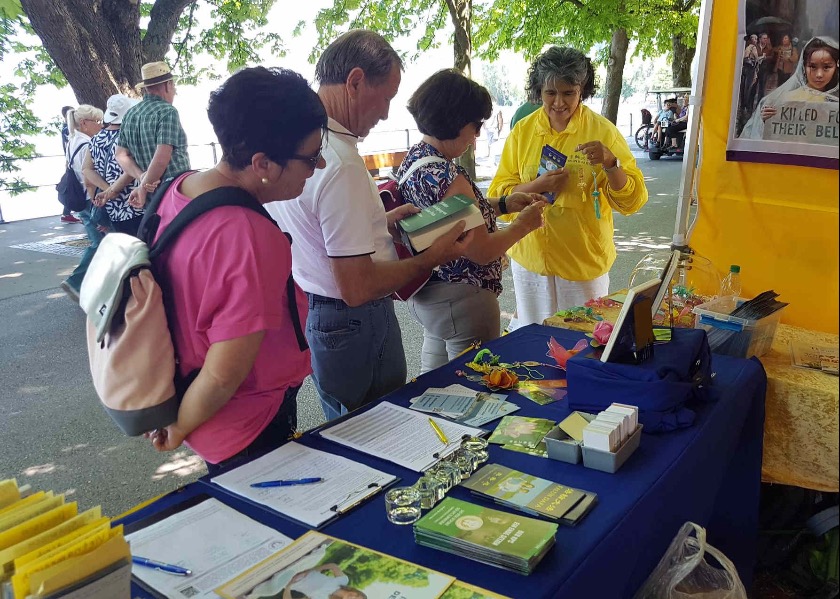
(709, 473)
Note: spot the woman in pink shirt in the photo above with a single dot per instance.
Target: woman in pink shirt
(237, 312)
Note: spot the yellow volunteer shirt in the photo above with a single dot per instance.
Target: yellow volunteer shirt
(574, 243)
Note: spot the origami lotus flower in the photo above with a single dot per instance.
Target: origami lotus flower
(560, 354)
(501, 379)
(602, 332)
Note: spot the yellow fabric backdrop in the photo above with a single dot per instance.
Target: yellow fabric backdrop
(779, 223)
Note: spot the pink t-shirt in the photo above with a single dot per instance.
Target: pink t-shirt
(227, 272)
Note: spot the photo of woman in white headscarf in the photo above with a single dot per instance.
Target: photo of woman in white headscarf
(814, 80)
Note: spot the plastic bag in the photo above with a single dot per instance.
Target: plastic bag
(685, 572)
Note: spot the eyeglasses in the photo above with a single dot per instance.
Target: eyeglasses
(313, 160)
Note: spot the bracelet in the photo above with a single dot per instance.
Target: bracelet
(503, 205)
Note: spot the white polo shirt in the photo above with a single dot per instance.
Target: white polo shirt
(339, 214)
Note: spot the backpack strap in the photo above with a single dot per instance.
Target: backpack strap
(215, 198)
(417, 164)
(78, 149)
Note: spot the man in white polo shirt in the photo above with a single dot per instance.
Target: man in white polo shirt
(343, 254)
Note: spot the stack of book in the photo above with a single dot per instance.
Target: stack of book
(531, 494)
(420, 230)
(493, 537)
(48, 549)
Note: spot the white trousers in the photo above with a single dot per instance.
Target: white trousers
(538, 296)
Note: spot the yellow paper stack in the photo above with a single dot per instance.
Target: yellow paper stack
(48, 549)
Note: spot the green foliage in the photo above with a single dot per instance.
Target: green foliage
(507, 90)
(389, 18)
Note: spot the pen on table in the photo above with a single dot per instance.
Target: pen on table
(168, 568)
(439, 432)
(285, 483)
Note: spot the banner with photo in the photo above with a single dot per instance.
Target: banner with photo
(785, 106)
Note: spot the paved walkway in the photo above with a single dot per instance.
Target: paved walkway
(53, 432)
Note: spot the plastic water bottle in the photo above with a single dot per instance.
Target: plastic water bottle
(731, 285)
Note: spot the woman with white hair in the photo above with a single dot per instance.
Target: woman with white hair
(83, 123)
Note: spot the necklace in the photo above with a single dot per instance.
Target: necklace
(347, 133)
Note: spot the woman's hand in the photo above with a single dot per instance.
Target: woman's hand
(167, 439)
(553, 181)
(518, 201)
(103, 197)
(531, 217)
(597, 153)
(767, 112)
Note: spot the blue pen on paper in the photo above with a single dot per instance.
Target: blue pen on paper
(285, 483)
(160, 566)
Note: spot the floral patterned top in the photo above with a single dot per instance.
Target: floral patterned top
(427, 186)
(105, 163)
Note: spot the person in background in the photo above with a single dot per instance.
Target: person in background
(664, 119)
(236, 309)
(152, 144)
(527, 108)
(786, 58)
(83, 123)
(766, 65)
(66, 215)
(344, 256)
(102, 170)
(568, 261)
(679, 124)
(459, 304)
(493, 126)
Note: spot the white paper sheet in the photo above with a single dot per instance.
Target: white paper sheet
(345, 482)
(399, 435)
(213, 540)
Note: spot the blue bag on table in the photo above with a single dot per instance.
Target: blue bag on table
(678, 372)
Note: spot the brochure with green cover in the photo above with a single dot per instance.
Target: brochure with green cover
(524, 491)
(455, 523)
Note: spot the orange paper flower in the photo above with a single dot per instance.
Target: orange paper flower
(501, 378)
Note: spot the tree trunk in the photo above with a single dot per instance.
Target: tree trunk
(615, 74)
(96, 43)
(461, 13)
(681, 64)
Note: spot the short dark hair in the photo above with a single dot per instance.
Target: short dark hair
(446, 102)
(65, 110)
(360, 48)
(264, 110)
(568, 65)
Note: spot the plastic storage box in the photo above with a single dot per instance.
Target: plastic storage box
(733, 336)
(561, 446)
(606, 461)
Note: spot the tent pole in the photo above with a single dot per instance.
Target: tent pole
(693, 141)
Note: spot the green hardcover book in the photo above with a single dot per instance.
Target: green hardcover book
(524, 491)
(455, 523)
(420, 230)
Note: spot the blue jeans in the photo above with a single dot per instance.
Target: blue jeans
(357, 353)
(90, 218)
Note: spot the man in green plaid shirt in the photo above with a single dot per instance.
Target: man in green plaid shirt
(152, 144)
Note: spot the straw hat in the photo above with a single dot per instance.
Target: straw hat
(154, 73)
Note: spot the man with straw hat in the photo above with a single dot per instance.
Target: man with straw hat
(152, 144)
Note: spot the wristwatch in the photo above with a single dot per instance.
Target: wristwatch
(610, 169)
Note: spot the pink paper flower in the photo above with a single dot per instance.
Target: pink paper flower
(602, 332)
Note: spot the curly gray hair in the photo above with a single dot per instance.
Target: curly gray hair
(565, 65)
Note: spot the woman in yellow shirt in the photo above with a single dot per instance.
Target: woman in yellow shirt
(567, 261)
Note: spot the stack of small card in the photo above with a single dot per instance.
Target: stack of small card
(502, 539)
(463, 405)
(611, 428)
(531, 494)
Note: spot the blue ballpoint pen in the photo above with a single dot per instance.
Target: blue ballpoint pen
(168, 568)
(285, 483)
